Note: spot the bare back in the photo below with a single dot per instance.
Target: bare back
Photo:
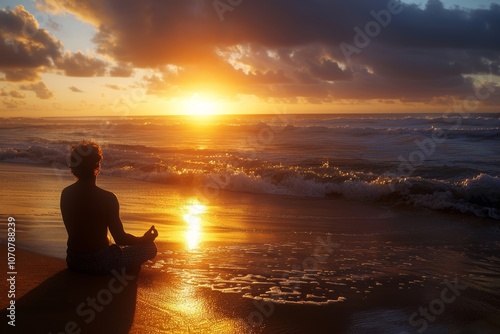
(87, 212)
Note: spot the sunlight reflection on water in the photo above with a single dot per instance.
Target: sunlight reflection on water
(194, 221)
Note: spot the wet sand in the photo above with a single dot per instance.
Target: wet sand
(251, 263)
(49, 298)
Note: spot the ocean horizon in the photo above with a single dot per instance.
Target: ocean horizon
(427, 160)
(301, 166)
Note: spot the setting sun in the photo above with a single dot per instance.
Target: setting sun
(234, 166)
(198, 105)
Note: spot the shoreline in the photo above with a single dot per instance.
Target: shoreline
(288, 263)
(162, 303)
(114, 182)
(47, 301)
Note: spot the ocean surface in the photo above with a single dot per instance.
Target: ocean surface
(363, 219)
(441, 162)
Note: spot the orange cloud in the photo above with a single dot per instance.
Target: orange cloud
(297, 49)
(40, 89)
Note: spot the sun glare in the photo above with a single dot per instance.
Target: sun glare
(194, 221)
(198, 105)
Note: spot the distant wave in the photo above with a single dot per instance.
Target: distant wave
(355, 157)
(478, 195)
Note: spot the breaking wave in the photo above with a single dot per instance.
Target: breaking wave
(356, 157)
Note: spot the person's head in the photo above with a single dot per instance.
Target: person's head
(85, 159)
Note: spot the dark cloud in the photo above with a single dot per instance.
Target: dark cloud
(26, 50)
(20, 74)
(121, 70)
(329, 70)
(75, 89)
(23, 43)
(80, 65)
(40, 89)
(371, 49)
(114, 87)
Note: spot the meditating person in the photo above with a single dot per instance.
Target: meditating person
(89, 211)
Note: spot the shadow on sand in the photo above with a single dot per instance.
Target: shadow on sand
(69, 302)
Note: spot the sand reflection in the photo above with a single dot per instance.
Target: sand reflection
(194, 220)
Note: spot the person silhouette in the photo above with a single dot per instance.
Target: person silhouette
(88, 213)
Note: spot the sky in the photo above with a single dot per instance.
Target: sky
(161, 57)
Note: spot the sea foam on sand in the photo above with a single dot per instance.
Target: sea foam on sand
(314, 259)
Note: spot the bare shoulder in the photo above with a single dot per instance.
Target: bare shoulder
(68, 190)
(107, 196)
(75, 190)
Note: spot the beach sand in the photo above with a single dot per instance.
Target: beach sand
(48, 297)
(253, 263)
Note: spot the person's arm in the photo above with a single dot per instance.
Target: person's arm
(116, 227)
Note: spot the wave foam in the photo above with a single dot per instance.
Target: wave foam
(312, 156)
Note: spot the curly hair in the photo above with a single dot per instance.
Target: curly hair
(85, 159)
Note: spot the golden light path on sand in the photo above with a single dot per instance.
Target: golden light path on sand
(194, 221)
(196, 313)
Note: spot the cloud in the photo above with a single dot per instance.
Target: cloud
(80, 65)
(376, 49)
(113, 86)
(20, 74)
(328, 70)
(11, 99)
(10, 103)
(40, 89)
(25, 49)
(121, 70)
(53, 24)
(17, 95)
(12, 93)
(75, 89)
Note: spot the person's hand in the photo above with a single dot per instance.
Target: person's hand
(150, 234)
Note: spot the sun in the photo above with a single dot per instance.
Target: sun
(198, 105)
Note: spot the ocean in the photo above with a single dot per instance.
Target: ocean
(284, 223)
(440, 162)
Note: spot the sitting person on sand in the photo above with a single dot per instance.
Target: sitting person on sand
(89, 211)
